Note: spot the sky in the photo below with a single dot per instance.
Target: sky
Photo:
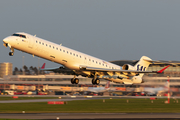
(107, 29)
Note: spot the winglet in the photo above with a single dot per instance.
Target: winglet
(160, 71)
(43, 66)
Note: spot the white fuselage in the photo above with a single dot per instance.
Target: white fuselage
(80, 63)
(57, 53)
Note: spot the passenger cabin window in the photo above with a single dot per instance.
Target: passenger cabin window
(19, 35)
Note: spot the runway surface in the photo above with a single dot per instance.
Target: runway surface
(104, 116)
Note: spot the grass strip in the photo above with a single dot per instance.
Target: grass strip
(95, 106)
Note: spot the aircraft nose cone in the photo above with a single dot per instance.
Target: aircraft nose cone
(5, 40)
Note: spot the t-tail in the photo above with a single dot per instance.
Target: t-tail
(143, 64)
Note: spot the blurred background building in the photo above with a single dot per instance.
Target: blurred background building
(30, 79)
(6, 69)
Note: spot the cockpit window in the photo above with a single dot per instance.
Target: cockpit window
(19, 35)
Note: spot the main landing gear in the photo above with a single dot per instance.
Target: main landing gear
(74, 80)
(95, 81)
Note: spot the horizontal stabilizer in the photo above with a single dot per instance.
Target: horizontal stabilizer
(160, 62)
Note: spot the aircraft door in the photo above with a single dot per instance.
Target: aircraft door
(17, 41)
(31, 41)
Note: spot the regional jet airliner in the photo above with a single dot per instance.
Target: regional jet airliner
(80, 63)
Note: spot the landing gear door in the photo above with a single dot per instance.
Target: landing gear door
(31, 41)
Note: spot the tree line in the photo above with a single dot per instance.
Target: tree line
(27, 71)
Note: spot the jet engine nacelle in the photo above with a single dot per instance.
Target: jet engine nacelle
(128, 67)
(137, 79)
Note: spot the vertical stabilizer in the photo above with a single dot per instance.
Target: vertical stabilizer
(43, 66)
(107, 85)
(143, 64)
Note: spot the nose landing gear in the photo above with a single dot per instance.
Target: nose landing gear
(11, 53)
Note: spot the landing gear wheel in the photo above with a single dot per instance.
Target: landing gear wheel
(11, 53)
(95, 81)
(74, 80)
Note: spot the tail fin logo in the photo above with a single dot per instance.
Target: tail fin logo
(141, 68)
(43, 66)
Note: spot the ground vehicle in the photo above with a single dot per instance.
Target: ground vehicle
(2, 92)
(7, 92)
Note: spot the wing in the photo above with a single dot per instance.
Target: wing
(125, 72)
